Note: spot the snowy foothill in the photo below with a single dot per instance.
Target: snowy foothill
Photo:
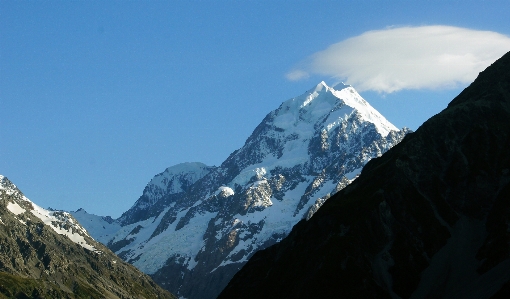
(57, 220)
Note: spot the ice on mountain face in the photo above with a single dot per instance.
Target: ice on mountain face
(201, 223)
(102, 228)
(61, 222)
(151, 255)
(353, 174)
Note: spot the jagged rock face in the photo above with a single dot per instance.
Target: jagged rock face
(428, 219)
(202, 231)
(48, 254)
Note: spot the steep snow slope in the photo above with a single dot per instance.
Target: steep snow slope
(201, 230)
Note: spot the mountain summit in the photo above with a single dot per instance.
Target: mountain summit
(428, 219)
(195, 226)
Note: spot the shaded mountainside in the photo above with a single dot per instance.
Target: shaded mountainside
(47, 254)
(195, 226)
(428, 219)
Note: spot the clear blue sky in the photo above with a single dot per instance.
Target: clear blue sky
(96, 97)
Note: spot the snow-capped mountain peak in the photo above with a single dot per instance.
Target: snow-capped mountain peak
(338, 102)
(202, 223)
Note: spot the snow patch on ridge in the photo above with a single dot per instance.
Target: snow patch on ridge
(15, 208)
(226, 191)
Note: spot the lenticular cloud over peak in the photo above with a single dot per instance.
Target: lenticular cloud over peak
(426, 57)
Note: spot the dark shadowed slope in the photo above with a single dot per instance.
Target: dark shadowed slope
(428, 219)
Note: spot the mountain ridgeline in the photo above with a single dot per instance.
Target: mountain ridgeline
(195, 226)
(428, 219)
(47, 254)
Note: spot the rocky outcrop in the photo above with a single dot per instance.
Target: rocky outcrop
(47, 254)
(428, 219)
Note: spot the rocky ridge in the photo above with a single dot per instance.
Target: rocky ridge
(48, 254)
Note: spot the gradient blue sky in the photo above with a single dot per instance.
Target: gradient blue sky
(96, 97)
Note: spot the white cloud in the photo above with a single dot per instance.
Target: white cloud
(296, 75)
(426, 57)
